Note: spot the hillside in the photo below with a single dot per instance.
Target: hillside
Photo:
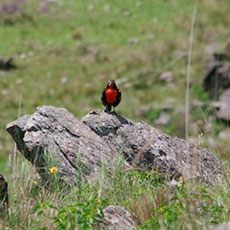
(63, 54)
(66, 51)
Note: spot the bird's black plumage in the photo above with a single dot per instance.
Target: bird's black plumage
(111, 96)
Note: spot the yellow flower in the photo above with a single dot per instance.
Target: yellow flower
(34, 182)
(53, 170)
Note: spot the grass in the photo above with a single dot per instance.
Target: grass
(153, 204)
(65, 52)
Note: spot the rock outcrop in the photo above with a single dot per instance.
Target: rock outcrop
(101, 136)
(117, 218)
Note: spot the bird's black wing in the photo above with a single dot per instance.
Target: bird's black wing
(118, 99)
(103, 98)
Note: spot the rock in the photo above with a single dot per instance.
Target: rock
(163, 119)
(6, 63)
(44, 8)
(3, 197)
(225, 134)
(117, 218)
(224, 226)
(133, 40)
(148, 148)
(178, 54)
(221, 57)
(91, 7)
(166, 76)
(61, 135)
(217, 78)
(213, 48)
(9, 7)
(102, 136)
(223, 112)
(197, 103)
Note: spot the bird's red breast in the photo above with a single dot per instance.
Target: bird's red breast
(111, 95)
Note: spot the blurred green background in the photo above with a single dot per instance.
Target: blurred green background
(65, 51)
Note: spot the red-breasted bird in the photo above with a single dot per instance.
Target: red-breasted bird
(111, 96)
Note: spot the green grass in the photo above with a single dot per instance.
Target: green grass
(89, 47)
(101, 51)
(65, 57)
(153, 203)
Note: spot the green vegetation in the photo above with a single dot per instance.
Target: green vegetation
(65, 52)
(153, 204)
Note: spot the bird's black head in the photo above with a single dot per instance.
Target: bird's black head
(112, 84)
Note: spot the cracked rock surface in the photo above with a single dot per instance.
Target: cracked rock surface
(117, 218)
(101, 136)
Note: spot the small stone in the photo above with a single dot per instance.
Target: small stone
(150, 35)
(4, 92)
(128, 85)
(91, 7)
(19, 81)
(180, 54)
(23, 56)
(64, 80)
(198, 103)
(163, 119)
(224, 111)
(122, 80)
(133, 40)
(225, 134)
(213, 48)
(138, 4)
(166, 76)
(117, 218)
(155, 20)
(126, 12)
(106, 7)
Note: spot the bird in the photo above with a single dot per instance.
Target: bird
(111, 96)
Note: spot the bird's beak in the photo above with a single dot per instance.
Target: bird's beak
(110, 84)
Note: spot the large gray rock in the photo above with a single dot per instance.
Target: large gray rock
(148, 148)
(57, 133)
(101, 136)
(117, 218)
